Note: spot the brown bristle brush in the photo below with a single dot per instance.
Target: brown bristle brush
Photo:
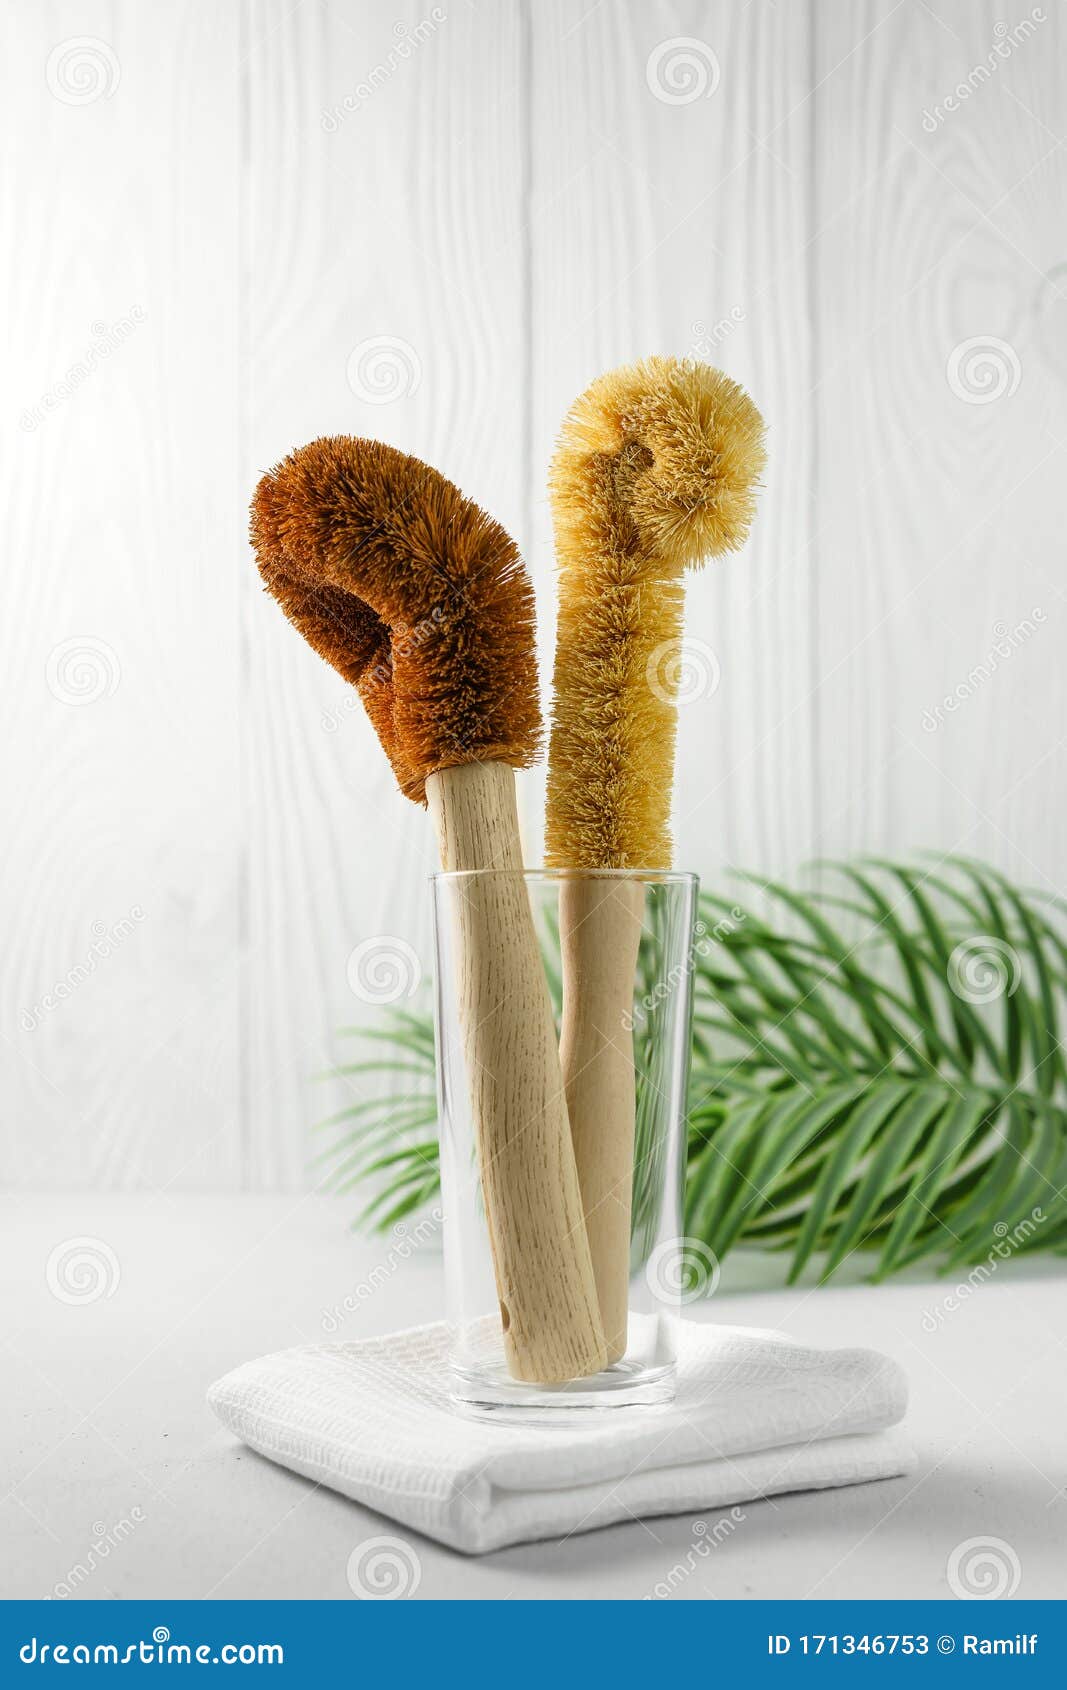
(421, 600)
(656, 470)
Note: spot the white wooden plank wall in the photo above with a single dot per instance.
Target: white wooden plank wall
(701, 211)
(251, 223)
(941, 408)
(122, 582)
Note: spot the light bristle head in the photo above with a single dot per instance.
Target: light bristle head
(687, 443)
(414, 595)
(656, 470)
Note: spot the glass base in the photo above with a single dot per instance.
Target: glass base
(483, 1388)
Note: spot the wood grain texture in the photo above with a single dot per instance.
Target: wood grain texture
(120, 636)
(551, 1321)
(383, 208)
(502, 205)
(600, 925)
(941, 407)
(701, 212)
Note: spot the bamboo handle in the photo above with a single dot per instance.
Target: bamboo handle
(544, 1273)
(600, 931)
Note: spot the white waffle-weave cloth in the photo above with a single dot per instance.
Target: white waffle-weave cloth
(755, 1415)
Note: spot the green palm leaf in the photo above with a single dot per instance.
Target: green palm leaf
(876, 1068)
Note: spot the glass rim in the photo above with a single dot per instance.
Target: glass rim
(637, 876)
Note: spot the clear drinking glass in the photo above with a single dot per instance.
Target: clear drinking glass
(650, 1017)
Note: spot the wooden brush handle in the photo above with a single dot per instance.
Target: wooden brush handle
(600, 931)
(544, 1273)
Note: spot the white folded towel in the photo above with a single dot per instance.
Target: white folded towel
(755, 1415)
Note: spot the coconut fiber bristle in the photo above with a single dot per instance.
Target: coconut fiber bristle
(413, 593)
(656, 469)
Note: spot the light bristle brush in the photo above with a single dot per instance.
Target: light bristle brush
(421, 600)
(656, 469)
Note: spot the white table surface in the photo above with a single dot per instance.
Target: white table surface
(102, 1420)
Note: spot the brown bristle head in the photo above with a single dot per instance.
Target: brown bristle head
(657, 468)
(413, 593)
